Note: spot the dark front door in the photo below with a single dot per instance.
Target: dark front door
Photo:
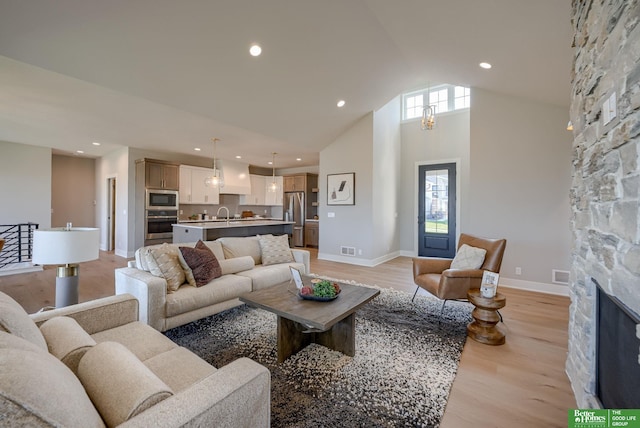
(437, 210)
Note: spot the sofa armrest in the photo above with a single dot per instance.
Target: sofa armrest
(304, 257)
(150, 290)
(236, 395)
(96, 315)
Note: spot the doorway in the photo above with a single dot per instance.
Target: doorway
(437, 210)
(111, 213)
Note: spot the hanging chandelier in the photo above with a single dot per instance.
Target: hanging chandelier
(428, 117)
(214, 180)
(273, 186)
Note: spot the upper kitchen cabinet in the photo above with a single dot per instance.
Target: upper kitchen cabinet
(161, 175)
(193, 189)
(271, 197)
(295, 183)
(257, 195)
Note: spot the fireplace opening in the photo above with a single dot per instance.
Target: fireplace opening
(617, 353)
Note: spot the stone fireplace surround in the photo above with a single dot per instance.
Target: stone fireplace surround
(606, 176)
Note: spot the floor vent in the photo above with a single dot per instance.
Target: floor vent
(348, 251)
(560, 276)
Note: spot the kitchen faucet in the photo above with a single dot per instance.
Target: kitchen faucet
(218, 213)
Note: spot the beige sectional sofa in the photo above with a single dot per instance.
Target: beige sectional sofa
(247, 264)
(94, 365)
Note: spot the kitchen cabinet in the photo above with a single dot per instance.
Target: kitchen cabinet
(257, 195)
(311, 233)
(161, 175)
(193, 189)
(261, 193)
(271, 197)
(295, 183)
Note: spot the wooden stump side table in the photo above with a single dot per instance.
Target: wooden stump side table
(485, 317)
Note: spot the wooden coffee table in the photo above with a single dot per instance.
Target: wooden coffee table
(301, 322)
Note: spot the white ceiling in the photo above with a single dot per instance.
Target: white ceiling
(168, 75)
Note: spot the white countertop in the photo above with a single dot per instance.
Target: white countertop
(220, 224)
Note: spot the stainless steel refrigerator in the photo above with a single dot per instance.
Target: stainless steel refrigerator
(294, 211)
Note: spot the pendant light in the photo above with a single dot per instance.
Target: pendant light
(216, 179)
(428, 118)
(273, 186)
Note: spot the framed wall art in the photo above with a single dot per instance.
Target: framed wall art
(341, 189)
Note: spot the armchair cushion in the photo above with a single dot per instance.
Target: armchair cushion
(15, 320)
(37, 389)
(468, 257)
(119, 384)
(66, 340)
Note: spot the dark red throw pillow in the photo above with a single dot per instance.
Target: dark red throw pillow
(202, 262)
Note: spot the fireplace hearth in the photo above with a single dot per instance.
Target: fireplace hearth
(617, 353)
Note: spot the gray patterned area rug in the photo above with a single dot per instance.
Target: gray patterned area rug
(405, 363)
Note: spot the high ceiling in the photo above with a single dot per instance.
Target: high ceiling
(169, 75)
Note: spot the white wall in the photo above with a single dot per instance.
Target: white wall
(386, 180)
(352, 224)
(448, 141)
(25, 184)
(115, 165)
(519, 182)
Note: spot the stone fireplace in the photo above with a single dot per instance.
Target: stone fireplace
(606, 175)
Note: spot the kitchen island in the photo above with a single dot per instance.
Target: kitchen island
(211, 230)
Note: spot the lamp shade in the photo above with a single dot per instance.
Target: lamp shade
(62, 246)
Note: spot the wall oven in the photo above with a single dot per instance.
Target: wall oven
(158, 224)
(161, 199)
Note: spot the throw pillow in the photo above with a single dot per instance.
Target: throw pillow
(15, 320)
(67, 340)
(163, 262)
(200, 264)
(468, 257)
(275, 249)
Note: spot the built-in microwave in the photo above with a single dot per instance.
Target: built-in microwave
(161, 199)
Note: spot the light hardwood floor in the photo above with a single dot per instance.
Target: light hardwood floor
(519, 384)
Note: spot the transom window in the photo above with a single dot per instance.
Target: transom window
(444, 97)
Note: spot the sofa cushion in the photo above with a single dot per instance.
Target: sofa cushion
(163, 262)
(36, 386)
(66, 340)
(15, 320)
(275, 249)
(200, 265)
(238, 247)
(119, 385)
(468, 257)
(144, 341)
(237, 264)
(221, 289)
(179, 368)
(267, 276)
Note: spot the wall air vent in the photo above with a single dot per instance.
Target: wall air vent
(560, 277)
(348, 251)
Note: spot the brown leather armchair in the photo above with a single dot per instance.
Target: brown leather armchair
(434, 275)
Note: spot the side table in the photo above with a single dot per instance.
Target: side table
(485, 317)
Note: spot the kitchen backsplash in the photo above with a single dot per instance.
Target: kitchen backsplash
(232, 202)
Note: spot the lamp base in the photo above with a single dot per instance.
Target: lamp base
(67, 285)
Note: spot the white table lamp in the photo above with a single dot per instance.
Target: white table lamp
(66, 246)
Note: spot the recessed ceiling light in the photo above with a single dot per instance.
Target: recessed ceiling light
(95, 143)
(341, 103)
(298, 159)
(238, 157)
(80, 151)
(255, 50)
(485, 65)
(197, 149)
(270, 163)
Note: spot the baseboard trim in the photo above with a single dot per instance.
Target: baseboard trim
(23, 268)
(540, 287)
(358, 261)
